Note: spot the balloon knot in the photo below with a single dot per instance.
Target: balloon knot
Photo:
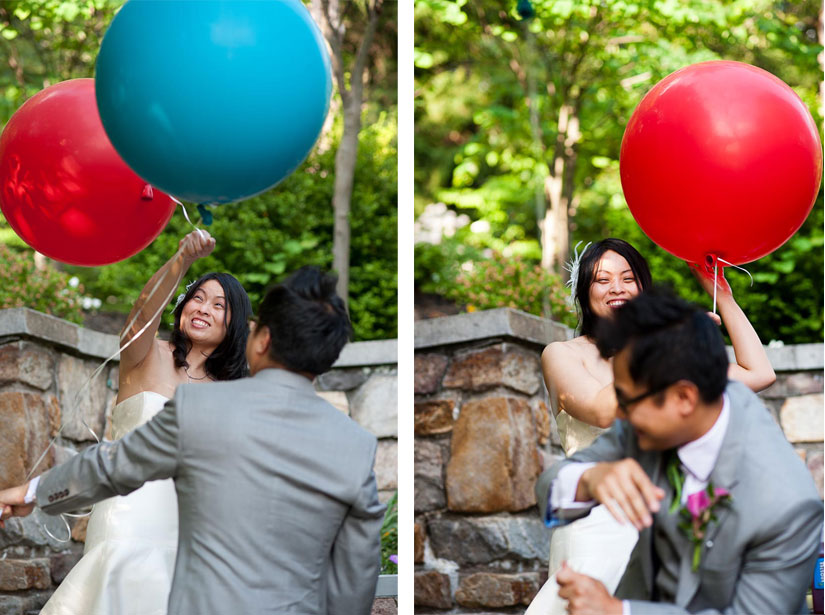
(206, 215)
(525, 9)
(148, 194)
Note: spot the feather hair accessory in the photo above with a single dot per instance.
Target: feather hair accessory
(183, 294)
(573, 267)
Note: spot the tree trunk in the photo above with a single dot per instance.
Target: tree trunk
(330, 16)
(345, 159)
(558, 188)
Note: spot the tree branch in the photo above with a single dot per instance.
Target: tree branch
(357, 76)
(335, 38)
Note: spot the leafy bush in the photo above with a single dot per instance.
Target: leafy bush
(389, 537)
(483, 279)
(45, 290)
(515, 283)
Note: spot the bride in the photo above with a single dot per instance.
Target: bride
(131, 541)
(580, 383)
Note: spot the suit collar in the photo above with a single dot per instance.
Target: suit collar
(284, 377)
(724, 473)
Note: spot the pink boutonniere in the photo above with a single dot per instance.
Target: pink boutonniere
(698, 513)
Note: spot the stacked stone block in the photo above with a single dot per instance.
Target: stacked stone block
(42, 376)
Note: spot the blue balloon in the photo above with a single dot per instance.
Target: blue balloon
(213, 101)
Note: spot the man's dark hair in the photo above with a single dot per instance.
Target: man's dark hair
(669, 340)
(307, 321)
(228, 360)
(587, 271)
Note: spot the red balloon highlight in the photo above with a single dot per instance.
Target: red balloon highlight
(720, 160)
(64, 189)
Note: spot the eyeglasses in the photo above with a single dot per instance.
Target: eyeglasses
(624, 404)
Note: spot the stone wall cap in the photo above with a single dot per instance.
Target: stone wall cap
(792, 358)
(25, 322)
(796, 357)
(374, 352)
(500, 322)
(510, 323)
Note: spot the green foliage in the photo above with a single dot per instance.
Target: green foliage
(490, 89)
(482, 278)
(437, 266)
(47, 41)
(264, 238)
(389, 537)
(45, 290)
(515, 283)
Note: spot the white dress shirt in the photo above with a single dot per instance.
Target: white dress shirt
(31, 492)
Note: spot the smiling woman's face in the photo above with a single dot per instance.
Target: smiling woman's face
(614, 284)
(205, 316)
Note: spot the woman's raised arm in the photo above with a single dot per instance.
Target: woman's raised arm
(193, 246)
(752, 367)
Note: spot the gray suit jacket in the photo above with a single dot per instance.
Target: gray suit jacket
(758, 556)
(277, 499)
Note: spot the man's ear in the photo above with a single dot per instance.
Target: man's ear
(686, 395)
(261, 340)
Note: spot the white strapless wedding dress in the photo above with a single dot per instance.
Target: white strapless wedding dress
(131, 541)
(597, 545)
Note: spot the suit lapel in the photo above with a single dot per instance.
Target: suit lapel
(724, 474)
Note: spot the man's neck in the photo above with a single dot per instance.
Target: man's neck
(706, 416)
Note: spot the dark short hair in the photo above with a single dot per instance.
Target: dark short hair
(307, 321)
(587, 271)
(228, 360)
(669, 340)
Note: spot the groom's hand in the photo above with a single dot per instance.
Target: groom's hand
(585, 595)
(624, 488)
(12, 502)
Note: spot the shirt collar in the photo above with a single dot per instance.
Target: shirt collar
(699, 456)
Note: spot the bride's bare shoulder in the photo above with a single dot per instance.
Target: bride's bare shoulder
(578, 347)
(156, 372)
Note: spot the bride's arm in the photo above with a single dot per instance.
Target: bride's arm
(193, 246)
(573, 389)
(752, 367)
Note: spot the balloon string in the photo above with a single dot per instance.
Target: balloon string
(715, 275)
(716, 261)
(121, 348)
(737, 267)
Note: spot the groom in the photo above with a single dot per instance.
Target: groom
(277, 498)
(687, 430)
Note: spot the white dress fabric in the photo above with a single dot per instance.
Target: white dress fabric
(597, 545)
(131, 541)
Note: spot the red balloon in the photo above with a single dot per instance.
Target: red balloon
(720, 159)
(64, 189)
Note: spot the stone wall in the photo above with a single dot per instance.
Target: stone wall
(483, 432)
(44, 363)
